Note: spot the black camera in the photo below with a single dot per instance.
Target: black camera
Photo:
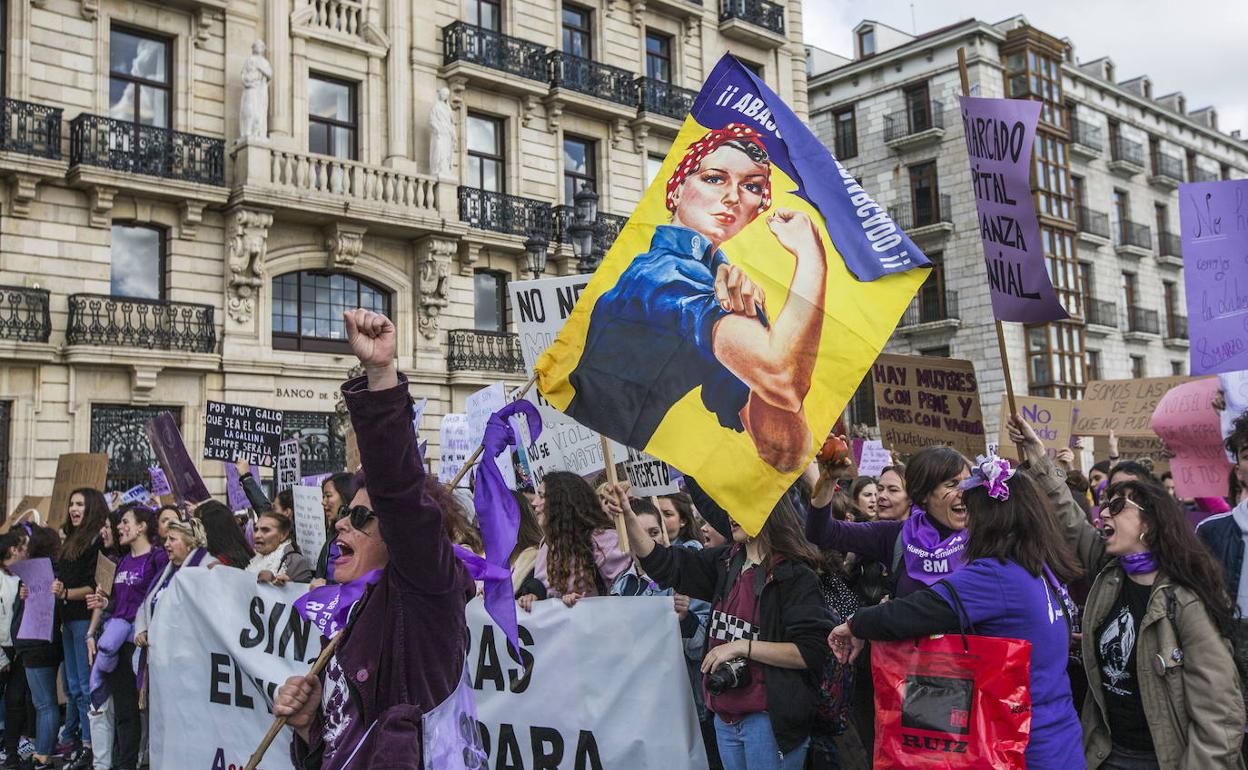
(729, 675)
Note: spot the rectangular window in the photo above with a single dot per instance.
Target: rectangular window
(1176, 369)
(1224, 171)
(1119, 214)
(332, 117)
(923, 193)
(1056, 360)
(138, 262)
(1137, 368)
(866, 42)
(1076, 189)
(321, 450)
(658, 57)
(140, 78)
(1161, 219)
(1052, 176)
(578, 32)
(1191, 165)
(486, 160)
(1130, 288)
(1170, 304)
(940, 351)
(846, 133)
(579, 166)
(308, 308)
(1086, 293)
(486, 14)
(1154, 154)
(932, 305)
(1094, 365)
(490, 301)
(918, 108)
(654, 164)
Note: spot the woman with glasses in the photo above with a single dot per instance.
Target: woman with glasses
(1163, 691)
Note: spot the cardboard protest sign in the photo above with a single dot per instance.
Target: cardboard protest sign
(74, 470)
(1186, 421)
(1137, 448)
(923, 401)
(648, 475)
(287, 473)
(309, 519)
(40, 608)
(24, 507)
(180, 472)
(1051, 418)
(874, 458)
(456, 445)
(105, 573)
(999, 134)
(1123, 406)
(1214, 221)
(636, 360)
(236, 432)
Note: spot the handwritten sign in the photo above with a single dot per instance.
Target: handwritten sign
(287, 474)
(648, 475)
(28, 507)
(874, 458)
(160, 484)
(1136, 448)
(480, 406)
(40, 608)
(457, 446)
(999, 134)
(309, 519)
(1214, 219)
(1122, 406)
(105, 573)
(184, 480)
(923, 401)
(1186, 421)
(74, 471)
(1051, 418)
(236, 432)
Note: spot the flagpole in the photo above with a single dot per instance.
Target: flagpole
(322, 660)
(1005, 361)
(467, 466)
(621, 529)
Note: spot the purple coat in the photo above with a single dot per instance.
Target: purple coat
(403, 651)
(871, 540)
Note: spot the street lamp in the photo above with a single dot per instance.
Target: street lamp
(584, 222)
(535, 251)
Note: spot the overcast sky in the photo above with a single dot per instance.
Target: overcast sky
(1197, 46)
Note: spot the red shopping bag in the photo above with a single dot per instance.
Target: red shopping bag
(952, 701)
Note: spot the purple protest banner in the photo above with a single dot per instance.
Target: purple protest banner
(234, 494)
(171, 453)
(160, 484)
(999, 134)
(37, 617)
(314, 481)
(1214, 221)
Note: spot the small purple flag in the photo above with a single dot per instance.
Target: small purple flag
(234, 494)
(999, 134)
(329, 606)
(1214, 221)
(314, 481)
(160, 484)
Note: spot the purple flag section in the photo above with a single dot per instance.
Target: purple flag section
(314, 481)
(999, 135)
(160, 484)
(162, 433)
(40, 604)
(1214, 218)
(234, 494)
(329, 606)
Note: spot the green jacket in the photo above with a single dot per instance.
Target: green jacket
(1186, 673)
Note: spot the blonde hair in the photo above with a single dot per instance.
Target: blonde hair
(192, 532)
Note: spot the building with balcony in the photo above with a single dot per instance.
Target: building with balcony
(1108, 159)
(151, 258)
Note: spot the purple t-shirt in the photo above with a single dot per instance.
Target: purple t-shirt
(1005, 600)
(134, 577)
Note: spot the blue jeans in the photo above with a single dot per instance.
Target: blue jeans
(751, 745)
(77, 678)
(42, 681)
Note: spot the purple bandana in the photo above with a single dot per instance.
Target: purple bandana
(329, 606)
(928, 558)
(1139, 563)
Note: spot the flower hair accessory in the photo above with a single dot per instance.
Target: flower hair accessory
(990, 472)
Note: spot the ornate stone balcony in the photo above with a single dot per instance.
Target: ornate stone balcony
(1126, 157)
(1133, 240)
(501, 62)
(1086, 139)
(758, 22)
(471, 350)
(1167, 172)
(30, 150)
(1093, 226)
(150, 324)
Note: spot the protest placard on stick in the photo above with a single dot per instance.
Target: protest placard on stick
(1186, 421)
(287, 473)
(74, 470)
(456, 444)
(1214, 222)
(236, 432)
(923, 401)
(1122, 406)
(1134, 448)
(309, 519)
(23, 511)
(873, 458)
(180, 472)
(1051, 418)
(648, 475)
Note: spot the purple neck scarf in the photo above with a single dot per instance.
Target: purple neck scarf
(1139, 563)
(329, 606)
(928, 558)
(498, 516)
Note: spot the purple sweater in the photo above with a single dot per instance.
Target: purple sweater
(134, 576)
(871, 540)
(403, 651)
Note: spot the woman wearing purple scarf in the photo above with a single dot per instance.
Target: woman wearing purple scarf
(402, 588)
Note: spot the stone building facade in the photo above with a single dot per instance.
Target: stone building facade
(152, 259)
(1108, 160)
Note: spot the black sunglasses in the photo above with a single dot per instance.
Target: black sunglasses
(358, 514)
(1117, 505)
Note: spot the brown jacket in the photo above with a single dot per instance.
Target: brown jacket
(1187, 676)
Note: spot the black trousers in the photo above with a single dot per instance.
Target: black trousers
(18, 706)
(125, 691)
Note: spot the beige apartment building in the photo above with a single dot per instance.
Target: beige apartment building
(186, 214)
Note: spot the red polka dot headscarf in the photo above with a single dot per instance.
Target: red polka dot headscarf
(710, 142)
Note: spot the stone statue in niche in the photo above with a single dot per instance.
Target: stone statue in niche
(443, 136)
(254, 113)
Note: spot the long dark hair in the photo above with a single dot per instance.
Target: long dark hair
(530, 532)
(1180, 555)
(225, 539)
(683, 504)
(783, 536)
(143, 516)
(855, 489)
(573, 514)
(343, 483)
(94, 516)
(930, 467)
(455, 520)
(1022, 529)
(44, 542)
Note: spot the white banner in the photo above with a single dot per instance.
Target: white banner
(456, 446)
(309, 520)
(221, 645)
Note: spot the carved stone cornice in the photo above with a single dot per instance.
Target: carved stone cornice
(343, 243)
(434, 255)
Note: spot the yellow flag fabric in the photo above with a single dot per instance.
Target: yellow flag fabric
(741, 305)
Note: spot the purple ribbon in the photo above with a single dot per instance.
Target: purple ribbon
(928, 558)
(1139, 563)
(329, 606)
(498, 515)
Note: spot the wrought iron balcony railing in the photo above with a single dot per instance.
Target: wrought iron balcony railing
(1169, 245)
(908, 122)
(1176, 327)
(470, 350)
(153, 324)
(1127, 151)
(31, 129)
(1143, 320)
(760, 13)
(1203, 175)
(1100, 312)
(126, 146)
(1087, 134)
(466, 42)
(1092, 222)
(930, 306)
(1134, 234)
(606, 228)
(24, 314)
(1168, 166)
(664, 98)
(503, 213)
(587, 76)
(910, 215)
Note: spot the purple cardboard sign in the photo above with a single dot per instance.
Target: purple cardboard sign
(184, 480)
(234, 494)
(1214, 221)
(40, 604)
(160, 484)
(999, 134)
(314, 481)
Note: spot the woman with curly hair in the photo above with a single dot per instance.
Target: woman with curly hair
(581, 554)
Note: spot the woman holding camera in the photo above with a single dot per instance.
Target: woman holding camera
(766, 638)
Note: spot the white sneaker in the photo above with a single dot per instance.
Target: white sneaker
(25, 748)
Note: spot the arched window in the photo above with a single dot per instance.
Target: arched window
(308, 307)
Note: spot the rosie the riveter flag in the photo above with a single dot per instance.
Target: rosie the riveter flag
(740, 306)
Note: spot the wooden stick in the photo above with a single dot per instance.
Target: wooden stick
(621, 530)
(662, 524)
(322, 660)
(477, 454)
